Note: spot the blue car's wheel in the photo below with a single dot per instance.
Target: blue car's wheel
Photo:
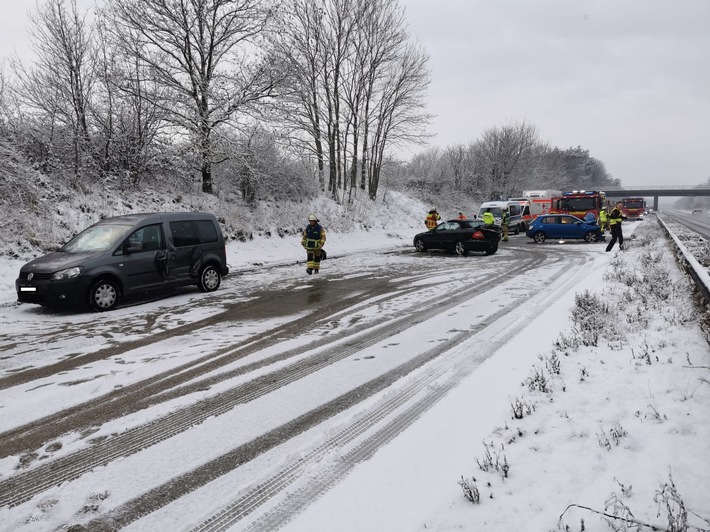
(591, 236)
(539, 237)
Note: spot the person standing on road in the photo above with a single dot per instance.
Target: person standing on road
(603, 221)
(615, 217)
(461, 216)
(505, 222)
(313, 240)
(488, 217)
(432, 219)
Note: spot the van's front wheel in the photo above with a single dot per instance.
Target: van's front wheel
(210, 279)
(104, 295)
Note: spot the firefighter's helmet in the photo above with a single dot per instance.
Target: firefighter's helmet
(312, 218)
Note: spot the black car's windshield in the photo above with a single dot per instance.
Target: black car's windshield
(96, 238)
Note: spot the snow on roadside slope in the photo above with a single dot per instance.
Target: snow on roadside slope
(622, 420)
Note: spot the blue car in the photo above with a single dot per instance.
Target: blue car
(563, 227)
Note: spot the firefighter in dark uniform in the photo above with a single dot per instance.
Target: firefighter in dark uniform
(615, 218)
(313, 240)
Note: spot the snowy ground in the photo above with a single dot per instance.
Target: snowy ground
(623, 428)
(608, 412)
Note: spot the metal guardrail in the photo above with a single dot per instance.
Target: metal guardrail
(661, 187)
(697, 271)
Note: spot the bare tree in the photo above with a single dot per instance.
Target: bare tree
(400, 116)
(502, 151)
(205, 57)
(300, 41)
(128, 123)
(57, 88)
(358, 85)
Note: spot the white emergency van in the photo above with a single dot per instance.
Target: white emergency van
(516, 224)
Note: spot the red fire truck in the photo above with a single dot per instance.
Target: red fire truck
(579, 202)
(633, 208)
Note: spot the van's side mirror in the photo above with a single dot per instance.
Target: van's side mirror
(134, 247)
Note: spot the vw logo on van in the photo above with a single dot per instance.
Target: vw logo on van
(30, 276)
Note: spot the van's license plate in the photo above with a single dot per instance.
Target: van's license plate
(28, 289)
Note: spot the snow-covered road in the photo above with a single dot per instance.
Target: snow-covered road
(147, 391)
(237, 410)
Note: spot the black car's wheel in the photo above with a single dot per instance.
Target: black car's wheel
(460, 249)
(539, 237)
(419, 245)
(104, 295)
(210, 279)
(591, 236)
(491, 250)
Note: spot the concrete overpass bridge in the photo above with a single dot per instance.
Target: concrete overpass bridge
(656, 192)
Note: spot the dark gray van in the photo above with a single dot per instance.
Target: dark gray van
(128, 255)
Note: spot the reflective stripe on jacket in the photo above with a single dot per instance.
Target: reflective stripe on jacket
(615, 217)
(313, 236)
(431, 219)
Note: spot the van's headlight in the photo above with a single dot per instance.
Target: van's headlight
(69, 273)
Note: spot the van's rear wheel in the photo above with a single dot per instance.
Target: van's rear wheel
(104, 295)
(210, 279)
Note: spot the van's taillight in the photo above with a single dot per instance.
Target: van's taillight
(478, 235)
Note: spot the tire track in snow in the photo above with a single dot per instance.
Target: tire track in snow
(160, 496)
(23, 486)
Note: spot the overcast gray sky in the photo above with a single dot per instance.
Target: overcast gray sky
(629, 80)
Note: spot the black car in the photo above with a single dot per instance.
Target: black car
(460, 236)
(128, 255)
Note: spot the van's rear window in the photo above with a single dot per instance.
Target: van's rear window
(193, 232)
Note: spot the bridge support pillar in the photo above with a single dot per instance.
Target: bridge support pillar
(655, 203)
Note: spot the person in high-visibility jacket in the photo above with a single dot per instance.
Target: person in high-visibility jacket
(603, 221)
(615, 218)
(432, 219)
(461, 216)
(488, 217)
(313, 240)
(505, 222)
